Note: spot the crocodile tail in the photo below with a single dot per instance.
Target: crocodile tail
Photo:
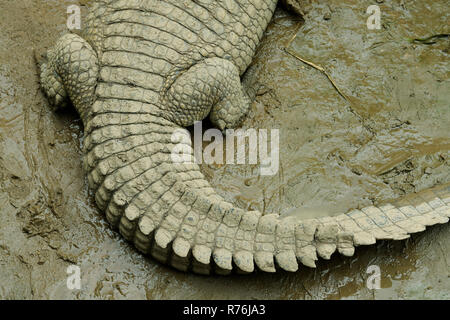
(170, 211)
(305, 240)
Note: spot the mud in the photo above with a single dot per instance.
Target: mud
(387, 139)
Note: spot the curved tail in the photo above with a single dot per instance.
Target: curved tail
(169, 210)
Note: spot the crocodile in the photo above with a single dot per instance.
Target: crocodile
(142, 70)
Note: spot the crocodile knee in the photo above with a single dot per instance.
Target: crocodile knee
(211, 86)
(71, 71)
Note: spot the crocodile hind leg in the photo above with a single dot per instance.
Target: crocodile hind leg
(71, 71)
(213, 87)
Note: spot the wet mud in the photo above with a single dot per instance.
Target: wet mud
(386, 136)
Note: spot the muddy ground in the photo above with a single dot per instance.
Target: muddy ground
(388, 137)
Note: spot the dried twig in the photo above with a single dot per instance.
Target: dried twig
(315, 66)
(431, 39)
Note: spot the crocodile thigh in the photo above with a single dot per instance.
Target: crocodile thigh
(212, 85)
(71, 70)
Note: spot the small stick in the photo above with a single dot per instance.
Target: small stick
(321, 69)
(294, 35)
(431, 39)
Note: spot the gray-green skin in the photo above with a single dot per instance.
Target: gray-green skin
(142, 70)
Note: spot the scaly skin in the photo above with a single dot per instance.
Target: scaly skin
(141, 71)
